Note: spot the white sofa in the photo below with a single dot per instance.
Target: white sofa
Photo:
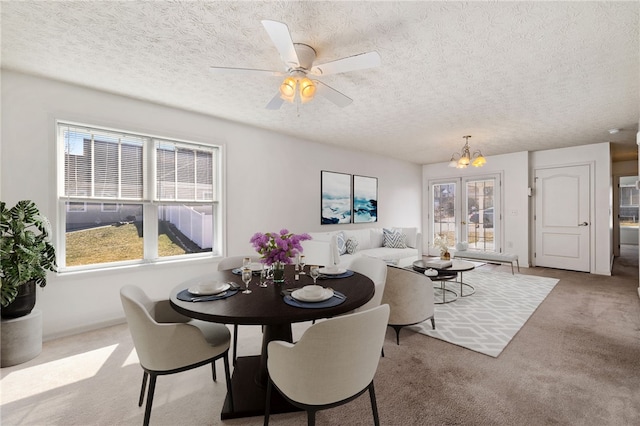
(323, 248)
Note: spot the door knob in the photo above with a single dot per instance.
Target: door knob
(583, 224)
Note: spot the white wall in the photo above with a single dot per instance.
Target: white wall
(515, 201)
(272, 181)
(518, 171)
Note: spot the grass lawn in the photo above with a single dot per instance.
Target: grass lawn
(112, 244)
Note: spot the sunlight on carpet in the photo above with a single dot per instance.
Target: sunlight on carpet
(486, 321)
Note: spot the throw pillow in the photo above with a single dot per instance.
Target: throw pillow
(352, 245)
(342, 244)
(394, 238)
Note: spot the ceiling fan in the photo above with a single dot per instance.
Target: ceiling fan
(298, 61)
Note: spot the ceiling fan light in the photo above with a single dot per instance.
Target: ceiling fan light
(307, 89)
(288, 89)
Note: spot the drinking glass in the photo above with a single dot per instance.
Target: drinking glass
(246, 277)
(314, 271)
(246, 262)
(263, 277)
(301, 261)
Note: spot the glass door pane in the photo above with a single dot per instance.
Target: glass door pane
(444, 211)
(482, 214)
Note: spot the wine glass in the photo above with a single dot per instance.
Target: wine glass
(246, 262)
(246, 277)
(301, 261)
(263, 277)
(314, 271)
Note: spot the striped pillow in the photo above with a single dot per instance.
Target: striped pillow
(394, 238)
(352, 245)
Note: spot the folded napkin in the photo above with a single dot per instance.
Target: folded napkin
(185, 296)
(329, 277)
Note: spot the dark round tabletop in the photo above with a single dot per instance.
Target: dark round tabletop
(266, 306)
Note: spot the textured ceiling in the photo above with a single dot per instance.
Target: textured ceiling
(516, 76)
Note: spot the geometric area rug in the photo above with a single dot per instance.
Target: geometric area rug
(487, 320)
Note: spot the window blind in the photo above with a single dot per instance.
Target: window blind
(185, 172)
(99, 164)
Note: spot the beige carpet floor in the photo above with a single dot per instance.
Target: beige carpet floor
(575, 362)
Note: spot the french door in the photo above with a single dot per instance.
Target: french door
(466, 209)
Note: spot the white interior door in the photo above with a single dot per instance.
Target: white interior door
(562, 220)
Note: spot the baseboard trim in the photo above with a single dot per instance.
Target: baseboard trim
(83, 329)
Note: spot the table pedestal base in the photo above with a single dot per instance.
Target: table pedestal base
(250, 397)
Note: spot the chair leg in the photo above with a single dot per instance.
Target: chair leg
(145, 375)
(152, 389)
(227, 376)
(433, 323)
(267, 403)
(382, 353)
(311, 418)
(235, 343)
(213, 371)
(397, 329)
(374, 405)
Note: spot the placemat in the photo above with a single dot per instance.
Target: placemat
(331, 277)
(185, 296)
(329, 303)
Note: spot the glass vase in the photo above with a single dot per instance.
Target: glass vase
(278, 272)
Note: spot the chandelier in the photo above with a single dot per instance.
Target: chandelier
(464, 158)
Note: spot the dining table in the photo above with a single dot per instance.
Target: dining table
(266, 306)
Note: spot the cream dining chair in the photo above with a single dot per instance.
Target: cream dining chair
(167, 342)
(334, 362)
(233, 262)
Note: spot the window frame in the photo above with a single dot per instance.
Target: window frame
(149, 201)
(461, 209)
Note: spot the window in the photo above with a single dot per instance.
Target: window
(134, 198)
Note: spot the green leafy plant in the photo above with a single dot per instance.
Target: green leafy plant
(26, 253)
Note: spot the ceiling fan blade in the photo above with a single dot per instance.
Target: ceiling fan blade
(332, 94)
(281, 38)
(351, 63)
(276, 102)
(227, 70)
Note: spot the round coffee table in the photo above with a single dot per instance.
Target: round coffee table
(449, 274)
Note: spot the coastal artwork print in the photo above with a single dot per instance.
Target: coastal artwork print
(365, 199)
(336, 198)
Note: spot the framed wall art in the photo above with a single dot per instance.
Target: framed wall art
(336, 198)
(365, 199)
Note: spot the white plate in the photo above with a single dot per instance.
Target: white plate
(222, 287)
(301, 296)
(255, 266)
(327, 271)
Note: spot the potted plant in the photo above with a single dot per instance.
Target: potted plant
(26, 256)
